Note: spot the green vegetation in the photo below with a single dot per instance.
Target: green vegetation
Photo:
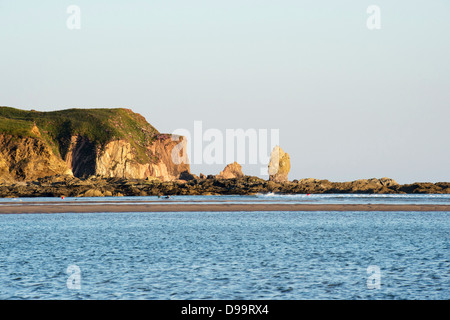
(100, 126)
(15, 127)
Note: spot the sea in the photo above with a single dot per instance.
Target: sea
(228, 255)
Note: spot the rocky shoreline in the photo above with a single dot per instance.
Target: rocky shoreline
(115, 152)
(97, 186)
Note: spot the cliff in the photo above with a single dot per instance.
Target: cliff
(84, 142)
(22, 158)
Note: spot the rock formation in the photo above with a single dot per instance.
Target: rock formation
(86, 142)
(116, 152)
(96, 186)
(279, 165)
(383, 185)
(187, 176)
(117, 160)
(28, 159)
(231, 171)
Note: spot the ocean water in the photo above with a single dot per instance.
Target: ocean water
(227, 255)
(270, 197)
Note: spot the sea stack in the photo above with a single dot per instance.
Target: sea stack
(279, 165)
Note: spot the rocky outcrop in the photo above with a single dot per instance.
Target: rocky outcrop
(104, 142)
(170, 155)
(28, 159)
(96, 186)
(187, 176)
(383, 185)
(279, 165)
(231, 171)
(117, 159)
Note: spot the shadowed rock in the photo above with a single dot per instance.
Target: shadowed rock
(187, 176)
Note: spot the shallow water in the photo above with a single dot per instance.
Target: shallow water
(270, 197)
(239, 255)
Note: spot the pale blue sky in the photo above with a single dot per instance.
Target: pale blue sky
(350, 103)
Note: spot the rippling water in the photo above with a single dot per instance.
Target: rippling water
(239, 255)
(270, 197)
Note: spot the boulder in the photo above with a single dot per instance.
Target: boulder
(93, 193)
(186, 175)
(388, 182)
(231, 171)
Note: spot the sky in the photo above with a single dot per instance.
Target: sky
(349, 102)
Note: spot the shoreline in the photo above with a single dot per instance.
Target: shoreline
(89, 207)
(97, 186)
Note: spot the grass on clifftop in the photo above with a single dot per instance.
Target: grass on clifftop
(100, 126)
(15, 127)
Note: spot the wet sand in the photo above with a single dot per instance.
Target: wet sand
(157, 206)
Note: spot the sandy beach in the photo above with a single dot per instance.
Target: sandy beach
(158, 206)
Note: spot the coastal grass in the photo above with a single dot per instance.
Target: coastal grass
(14, 127)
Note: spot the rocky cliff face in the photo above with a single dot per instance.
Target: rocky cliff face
(81, 156)
(28, 159)
(112, 143)
(117, 160)
(170, 152)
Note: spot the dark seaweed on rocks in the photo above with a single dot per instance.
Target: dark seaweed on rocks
(96, 186)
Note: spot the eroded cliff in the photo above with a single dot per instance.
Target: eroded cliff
(117, 159)
(84, 142)
(28, 158)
